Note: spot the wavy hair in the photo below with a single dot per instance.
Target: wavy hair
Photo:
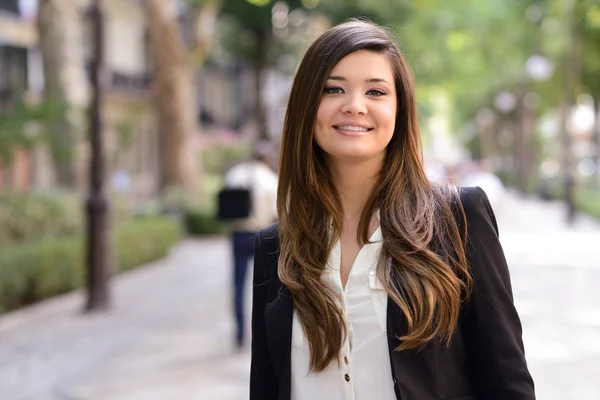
(422, 264)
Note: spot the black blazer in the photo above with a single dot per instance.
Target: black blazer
(485, 360)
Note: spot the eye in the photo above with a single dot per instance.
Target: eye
(376, 92)
(333, 90)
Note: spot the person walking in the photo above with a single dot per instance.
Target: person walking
(376, 283)
(257, 176)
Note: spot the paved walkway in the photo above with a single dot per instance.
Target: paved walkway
(167, 337)
(169, 334)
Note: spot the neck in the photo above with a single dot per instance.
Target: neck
(354, 183)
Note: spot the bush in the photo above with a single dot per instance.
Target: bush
(35, 271)
(219, 158)
(30, 217)
(144, 240)
(203, 223)
(588, 201)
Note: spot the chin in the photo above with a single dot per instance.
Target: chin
(352, 155)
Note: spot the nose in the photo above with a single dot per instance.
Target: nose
(354, 105)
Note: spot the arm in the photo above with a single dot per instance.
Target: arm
(489, 322)
(263, 383)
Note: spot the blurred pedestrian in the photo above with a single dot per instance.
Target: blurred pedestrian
(367, 287)
(259, 179)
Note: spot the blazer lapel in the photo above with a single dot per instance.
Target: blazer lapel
(278, 320)
(279, 313)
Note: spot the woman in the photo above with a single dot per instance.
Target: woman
(376, 283)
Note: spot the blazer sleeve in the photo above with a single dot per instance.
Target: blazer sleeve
(490, 325)
(263, 382)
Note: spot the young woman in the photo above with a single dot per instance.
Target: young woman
(376, 283)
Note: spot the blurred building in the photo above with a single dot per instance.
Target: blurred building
(19, 72)
(130, 127)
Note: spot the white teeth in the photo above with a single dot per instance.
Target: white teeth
(352, 128)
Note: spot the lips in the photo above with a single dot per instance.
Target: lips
(350, 129)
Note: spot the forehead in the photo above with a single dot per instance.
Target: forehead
(364, 63)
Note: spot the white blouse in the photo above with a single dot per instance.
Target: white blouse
(364, 372)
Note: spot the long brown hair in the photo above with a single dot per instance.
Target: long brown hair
(422, 264)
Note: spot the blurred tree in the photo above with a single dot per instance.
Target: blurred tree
(23, 124)
(254, 22)
(175, 59)
(472, 57)
(389, 13)
(60, 32)
(590, 70)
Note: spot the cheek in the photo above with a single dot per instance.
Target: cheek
(324, 117)
(390, 114)
(324, 112)
(387, 119)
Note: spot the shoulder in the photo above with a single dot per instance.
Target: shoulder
(238, 168)
(270, 233)
(266, 175)
(471, 196)
(477, 208)
(236, 171)
(268, 241)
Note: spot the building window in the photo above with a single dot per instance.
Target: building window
(11, 6)
(13, 73)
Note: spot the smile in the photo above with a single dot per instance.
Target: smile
(351, 130)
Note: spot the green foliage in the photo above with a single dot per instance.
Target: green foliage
(176, 199)
(588, 201)
(219, 158)
(591, 48)
(35, 271)
(36, 216)
(196, 3)
(390, 13)
(144, 240)
(25, 123)
(254, 15)
(246, 30)
(199, 223)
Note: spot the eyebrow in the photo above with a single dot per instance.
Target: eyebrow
(341, 78)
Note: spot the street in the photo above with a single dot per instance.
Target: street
(170, 332)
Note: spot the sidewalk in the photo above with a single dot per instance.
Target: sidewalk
(169, 333)
(166, 337)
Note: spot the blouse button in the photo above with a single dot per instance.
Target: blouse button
(372, 273)
(347, 378)
(346, 360)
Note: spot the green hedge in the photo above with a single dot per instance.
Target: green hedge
(199, 223)
(588, 201)
(38, 216)
(34, 271)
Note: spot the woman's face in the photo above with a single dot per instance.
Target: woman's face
(357, 114)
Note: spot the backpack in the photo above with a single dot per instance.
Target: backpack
(234, 203)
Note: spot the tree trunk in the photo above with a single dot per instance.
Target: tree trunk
(571, 73)
(174, 96)
(596, 133)
(524, 144)
(262, 45)
(60, 31)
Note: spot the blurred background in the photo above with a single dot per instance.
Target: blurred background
(120, 118)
